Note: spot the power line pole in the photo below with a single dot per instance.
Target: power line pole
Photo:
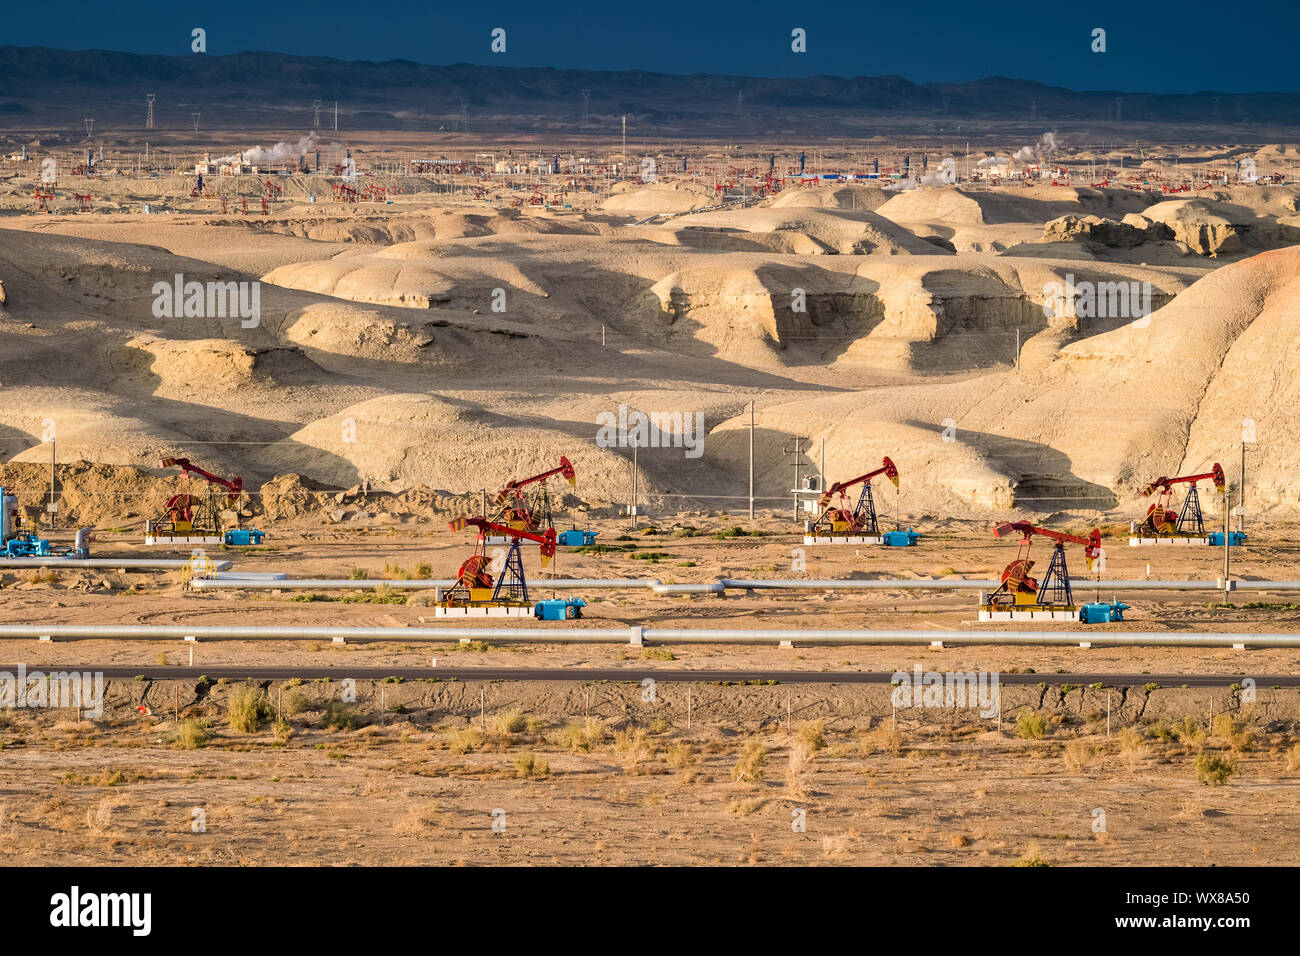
(148, 121)
(315, 114)
(751, 460)
(631, 511)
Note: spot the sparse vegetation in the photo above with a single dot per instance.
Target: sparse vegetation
(191, 734)
(1032, 725)
(813, 735)
(1213, 770)
(340, 715)
(632, 748)
(529, 765)
(465, 740)
(749, 765)
(247, 708)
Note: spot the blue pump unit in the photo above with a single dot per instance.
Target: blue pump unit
(559, 609)
(900, 539)
(1102, 612)
(1235, 539)
(243, 536)
(575, 538)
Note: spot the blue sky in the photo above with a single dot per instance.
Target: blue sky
(1245, 47)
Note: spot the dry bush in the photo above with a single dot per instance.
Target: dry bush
(632, 748)
(1235, 732)
(1191, 733)
(1078, 754)
(799, 771)
(835, 845)
(191, 734)
(582, 737)
(419, 820)
(750, 763)
(813, 735)
(1293, 758)
(1131, 746)
(682, 754)
(517, 722)
(99, 818)
(246, 708)
(743, 808)
(882, 739)
(1032, 725)
(463, 741)
(529, 765)
(1032, 856)
(1214, 770)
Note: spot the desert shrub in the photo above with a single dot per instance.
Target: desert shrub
(682, 754)
(463, 741)
(340, 715)
(247, 708)
(516, 722)
(1293, 758)
(528, 765)
(1190, 732)
(632, 748)
(749, 765)
(1238, 735)
(296, 702)
(1031, 725)
(1132, 746)
(1214, 770)
(813, 735)
(1078, 754)
(881, 739)
(191, 734)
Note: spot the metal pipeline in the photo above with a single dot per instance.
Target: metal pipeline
(134, 564)
(638, 635)
(248, 580)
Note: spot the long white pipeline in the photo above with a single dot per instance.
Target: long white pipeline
(733, 584)
(638, 635)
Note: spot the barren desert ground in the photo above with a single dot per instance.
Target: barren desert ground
(422, 338)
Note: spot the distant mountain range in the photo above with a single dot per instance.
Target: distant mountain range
(43, 88)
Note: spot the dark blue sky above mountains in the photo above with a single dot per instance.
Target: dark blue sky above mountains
(1195, 46)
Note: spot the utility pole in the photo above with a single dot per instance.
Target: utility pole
(1241, 498)
(751, 459)
(53, 508)
(624, 156)
(631, 511)
(796, 477)
(336, 116)
(148, 122)
(1227, 507)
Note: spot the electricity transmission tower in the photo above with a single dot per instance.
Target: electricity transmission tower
(148, 120)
